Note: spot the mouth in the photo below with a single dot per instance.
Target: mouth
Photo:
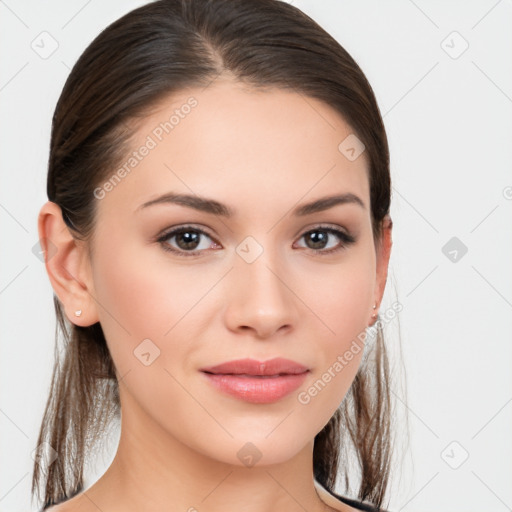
(270, 368)
(257, 382)
(253, 375)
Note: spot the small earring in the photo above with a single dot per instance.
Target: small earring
(374, 314)
(78, 312)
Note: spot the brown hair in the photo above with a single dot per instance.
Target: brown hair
(138, 60)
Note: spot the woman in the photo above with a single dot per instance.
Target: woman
(217, 236)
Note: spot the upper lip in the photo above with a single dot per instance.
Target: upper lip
(274, 366)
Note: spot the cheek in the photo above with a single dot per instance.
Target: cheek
(341, 297)
(140, 299)
(341, 300)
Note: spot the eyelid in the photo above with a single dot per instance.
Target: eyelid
(179, 227)
(322, 225)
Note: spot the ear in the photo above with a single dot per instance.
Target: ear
(383, 252)
(68, 266)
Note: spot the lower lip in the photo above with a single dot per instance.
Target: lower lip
(257, 390)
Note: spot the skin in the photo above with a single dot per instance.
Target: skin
(262, 154)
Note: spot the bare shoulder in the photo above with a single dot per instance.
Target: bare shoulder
(75, 504)
(62, 507)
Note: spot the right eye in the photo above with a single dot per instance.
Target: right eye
(187, 240)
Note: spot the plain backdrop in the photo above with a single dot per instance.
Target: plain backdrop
(442, 74)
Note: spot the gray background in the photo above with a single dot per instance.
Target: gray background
(447, 111)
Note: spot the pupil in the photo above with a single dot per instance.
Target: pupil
(319, 239)
(190, 239)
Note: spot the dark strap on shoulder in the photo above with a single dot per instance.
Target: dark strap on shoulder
(366, 507)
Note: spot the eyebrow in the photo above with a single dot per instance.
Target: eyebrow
(214, 207)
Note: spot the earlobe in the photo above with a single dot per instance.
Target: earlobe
(67, 265)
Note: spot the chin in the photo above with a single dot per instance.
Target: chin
(258, 450)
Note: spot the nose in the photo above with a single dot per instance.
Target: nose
(260, 298)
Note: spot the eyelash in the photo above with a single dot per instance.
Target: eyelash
(345, 238)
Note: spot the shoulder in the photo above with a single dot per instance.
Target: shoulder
(337, 501)
(75, 504)
(359, 505)
(61, 507)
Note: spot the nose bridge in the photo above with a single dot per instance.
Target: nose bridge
(261, 298)
(264, 279)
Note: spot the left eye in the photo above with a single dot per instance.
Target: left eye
(319, 238)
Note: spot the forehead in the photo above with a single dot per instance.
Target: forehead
(240, 145)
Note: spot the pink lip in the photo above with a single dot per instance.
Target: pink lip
(255, 381)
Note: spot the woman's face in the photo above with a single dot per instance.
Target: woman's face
(270, 280)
